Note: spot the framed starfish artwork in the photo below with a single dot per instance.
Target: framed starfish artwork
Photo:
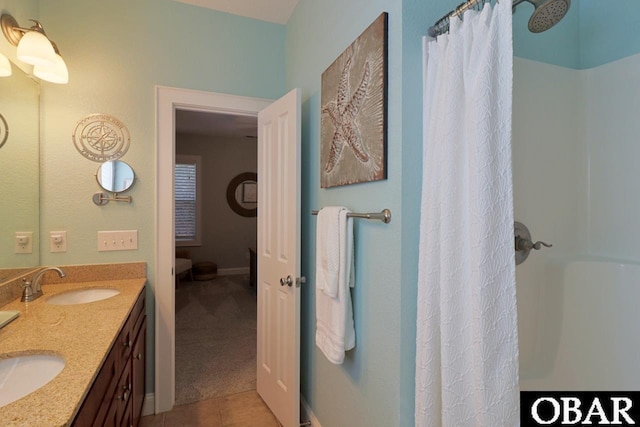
(353, 135)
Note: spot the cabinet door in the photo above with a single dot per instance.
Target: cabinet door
(95, 408)
(113, 417)
(138, 372)
(127, 418)
(121, 400)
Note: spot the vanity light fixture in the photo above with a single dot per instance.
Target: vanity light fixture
(5, 66)
(35, 48)
(56, 73)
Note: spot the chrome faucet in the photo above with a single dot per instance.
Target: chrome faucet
(33, 288)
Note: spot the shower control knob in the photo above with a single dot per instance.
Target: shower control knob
(536, 245)
(523, 242)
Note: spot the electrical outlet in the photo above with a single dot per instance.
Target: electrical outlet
(118, 240)
(58, 241)
(23, 242)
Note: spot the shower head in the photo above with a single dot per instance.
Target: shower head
(547, 13)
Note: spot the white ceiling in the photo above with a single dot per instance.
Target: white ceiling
(277, 11)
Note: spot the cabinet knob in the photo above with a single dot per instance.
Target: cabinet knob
(139, 356)
(126, 393)
(127, 343)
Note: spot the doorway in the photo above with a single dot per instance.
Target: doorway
(215, 305)
(168, 100)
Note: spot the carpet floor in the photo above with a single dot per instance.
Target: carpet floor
(215, 338)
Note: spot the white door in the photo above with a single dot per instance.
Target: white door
(278, 377)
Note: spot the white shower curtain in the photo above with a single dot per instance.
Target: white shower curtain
(467, 337)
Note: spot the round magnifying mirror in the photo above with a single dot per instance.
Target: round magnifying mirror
(115, 176)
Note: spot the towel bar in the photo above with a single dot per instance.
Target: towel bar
(384, 215)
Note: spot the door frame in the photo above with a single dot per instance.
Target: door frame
(168, 100)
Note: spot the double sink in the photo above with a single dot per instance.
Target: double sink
(24, 373)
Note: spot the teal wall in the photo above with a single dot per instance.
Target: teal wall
(608, 31)
(558, 45)
(385, 292)
(116, 52)
(593, 33)
(414, 15)
(365, 389)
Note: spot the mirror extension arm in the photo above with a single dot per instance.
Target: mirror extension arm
(102, 199)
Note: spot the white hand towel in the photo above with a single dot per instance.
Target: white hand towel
(328, 249)
(335, 332)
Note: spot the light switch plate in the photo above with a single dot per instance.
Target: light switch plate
(118, 240)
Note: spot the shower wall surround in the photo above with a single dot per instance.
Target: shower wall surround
(612, 126)
(575, 148)
(549, 180)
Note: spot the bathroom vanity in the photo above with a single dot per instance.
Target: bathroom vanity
(101, 342)
(117, 394)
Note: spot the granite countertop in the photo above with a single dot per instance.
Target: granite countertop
(82, 334)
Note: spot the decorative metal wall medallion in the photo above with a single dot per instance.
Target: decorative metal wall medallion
(101, 137)
(4, 131)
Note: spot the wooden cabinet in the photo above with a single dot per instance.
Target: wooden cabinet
(117, 394)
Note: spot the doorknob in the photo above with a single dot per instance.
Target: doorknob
(288, 281)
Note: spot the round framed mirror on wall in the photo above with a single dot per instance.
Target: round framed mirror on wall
(242, 194)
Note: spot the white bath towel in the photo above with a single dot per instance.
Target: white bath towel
(335, 333)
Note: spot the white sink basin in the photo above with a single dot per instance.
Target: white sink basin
(21, 375)
(82, 296)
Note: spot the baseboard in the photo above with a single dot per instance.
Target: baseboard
(233, 271)
(307, 414)
(149, 405)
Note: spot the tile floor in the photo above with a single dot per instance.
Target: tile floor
(237, 410)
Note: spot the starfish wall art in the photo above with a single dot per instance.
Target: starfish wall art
(353, 123)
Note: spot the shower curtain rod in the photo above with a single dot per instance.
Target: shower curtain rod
(442, 25)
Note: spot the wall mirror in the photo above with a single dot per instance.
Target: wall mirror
(115, 176)
(19, 166)
(242, 194)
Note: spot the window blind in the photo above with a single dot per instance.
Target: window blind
(186, 212)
